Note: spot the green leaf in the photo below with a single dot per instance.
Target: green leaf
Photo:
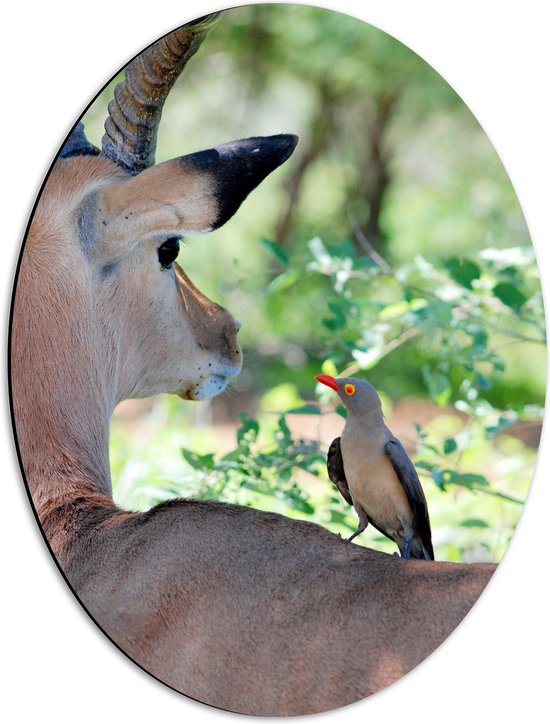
(435, 472)
(482, 382)
(510, 295)
(231, 458)
(285, 475)
(198, 462)
(503, 422)
(275, 250)
(394, 311)
(438, 384)
(449, 445)
(511, 273)
(474, 523)
(479, 338)
(283, 434)
(339, 319)
(336, 516)
(468, 480)
(438, 312)
(424, 465)
(344, 249)
(437, 476)
(302, 505)
(463, 271)
(248, 431)
(254, 486)
(283, 281)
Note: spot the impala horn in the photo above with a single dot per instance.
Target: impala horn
(134, 113)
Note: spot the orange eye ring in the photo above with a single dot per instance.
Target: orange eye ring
(349, 389)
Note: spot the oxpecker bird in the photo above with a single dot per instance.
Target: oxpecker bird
(372, 471)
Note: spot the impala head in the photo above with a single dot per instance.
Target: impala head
(125, 233)
(102, 246)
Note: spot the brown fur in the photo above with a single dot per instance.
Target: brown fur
(245, 610)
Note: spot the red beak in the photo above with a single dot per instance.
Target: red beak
(328, 381)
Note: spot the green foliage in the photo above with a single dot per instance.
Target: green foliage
(259, 465)
(260, 469)
(457, 313)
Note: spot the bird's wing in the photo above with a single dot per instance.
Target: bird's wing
(335, 467)
(406, 472)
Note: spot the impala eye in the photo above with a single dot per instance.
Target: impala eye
(168, 252)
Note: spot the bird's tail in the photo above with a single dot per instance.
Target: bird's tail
(428, 553)
(421, 550)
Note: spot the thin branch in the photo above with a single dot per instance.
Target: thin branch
(377, 258)
(510, 333)
(389, 347)
(496, 494)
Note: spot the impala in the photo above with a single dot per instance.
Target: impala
(241, 609)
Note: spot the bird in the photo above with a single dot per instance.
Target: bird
(374, 474)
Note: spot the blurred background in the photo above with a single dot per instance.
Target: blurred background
(390, 246)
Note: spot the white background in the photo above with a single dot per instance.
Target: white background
(58, 666)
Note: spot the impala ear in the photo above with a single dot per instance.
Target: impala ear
(238, 167)
(191, 194)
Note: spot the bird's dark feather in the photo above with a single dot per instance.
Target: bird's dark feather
(408, 477)
(335, 467)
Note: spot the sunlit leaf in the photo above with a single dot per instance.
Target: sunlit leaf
(329, 368)
(319, 252)
(283, 281)
(367, 358)
(393, 311)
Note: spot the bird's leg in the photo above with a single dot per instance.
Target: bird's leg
(407, 551)
(363, 522)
